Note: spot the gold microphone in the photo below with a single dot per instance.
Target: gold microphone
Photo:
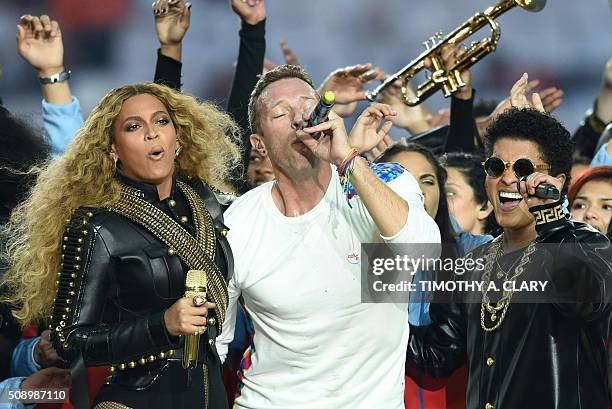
(195, 288)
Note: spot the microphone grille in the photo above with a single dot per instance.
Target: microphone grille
(196, 279)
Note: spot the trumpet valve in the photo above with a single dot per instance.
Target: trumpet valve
(433, 40)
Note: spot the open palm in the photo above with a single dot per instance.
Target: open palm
(366, 134)
(251, 11)
(39, 47)
(171, 21)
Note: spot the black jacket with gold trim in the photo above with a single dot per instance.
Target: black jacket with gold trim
(116, 281)
(543, 355)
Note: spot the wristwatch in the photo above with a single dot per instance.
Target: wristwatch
(59, 77)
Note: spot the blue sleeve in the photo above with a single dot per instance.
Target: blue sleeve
(23, 363)
(602, 158)
(11, 384)
(418, 307)
(418, 310)
(467, 242)
(61, 123)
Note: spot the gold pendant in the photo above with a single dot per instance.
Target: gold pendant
(493, 317)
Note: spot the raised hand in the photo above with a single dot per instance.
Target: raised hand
(39, 42)
(172, 20)
(367, 131)
(382, 146)
(412, 118)
(449, 55)
(551, 98)
(518, 95)
(348, 83)
(250, 11)
(442, 117)
(547, 100)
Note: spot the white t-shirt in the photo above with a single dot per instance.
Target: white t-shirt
(316, 344)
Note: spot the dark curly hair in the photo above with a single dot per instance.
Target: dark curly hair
(548, 133)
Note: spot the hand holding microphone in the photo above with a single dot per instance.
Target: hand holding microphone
(321, 111)
(540, 188)
(188, 315)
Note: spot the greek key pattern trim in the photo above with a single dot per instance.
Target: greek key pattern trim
(549, 215)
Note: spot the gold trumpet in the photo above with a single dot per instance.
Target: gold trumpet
(449, 81)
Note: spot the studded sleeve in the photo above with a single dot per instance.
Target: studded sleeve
(84, 291)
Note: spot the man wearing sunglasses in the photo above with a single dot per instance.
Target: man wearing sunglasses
(528, 351)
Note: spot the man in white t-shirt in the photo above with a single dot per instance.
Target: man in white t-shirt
(296, 244)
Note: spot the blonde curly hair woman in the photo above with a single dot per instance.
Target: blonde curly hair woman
(104, 241)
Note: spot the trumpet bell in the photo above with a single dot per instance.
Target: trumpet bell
(532, 5)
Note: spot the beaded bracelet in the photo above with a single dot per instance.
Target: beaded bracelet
(344, 171)
(352, 154)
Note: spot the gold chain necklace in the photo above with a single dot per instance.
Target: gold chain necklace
(504, 303)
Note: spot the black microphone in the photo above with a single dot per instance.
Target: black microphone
(544, 190)
(547, 191)
(321, 111)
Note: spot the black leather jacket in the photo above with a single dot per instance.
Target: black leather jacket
(117, 280)
(544, 355)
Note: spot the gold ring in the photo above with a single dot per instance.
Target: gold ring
(199, 300)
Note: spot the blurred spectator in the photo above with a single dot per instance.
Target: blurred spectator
(590, 197)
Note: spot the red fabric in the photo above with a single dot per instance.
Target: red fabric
(89, 15)
(447, 393)
(30, 331)
(230, 380)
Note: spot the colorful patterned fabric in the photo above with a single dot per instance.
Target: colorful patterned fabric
(385, 172)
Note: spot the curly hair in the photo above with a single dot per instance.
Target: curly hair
(276, 74)
(84, 176)
(548, 133)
